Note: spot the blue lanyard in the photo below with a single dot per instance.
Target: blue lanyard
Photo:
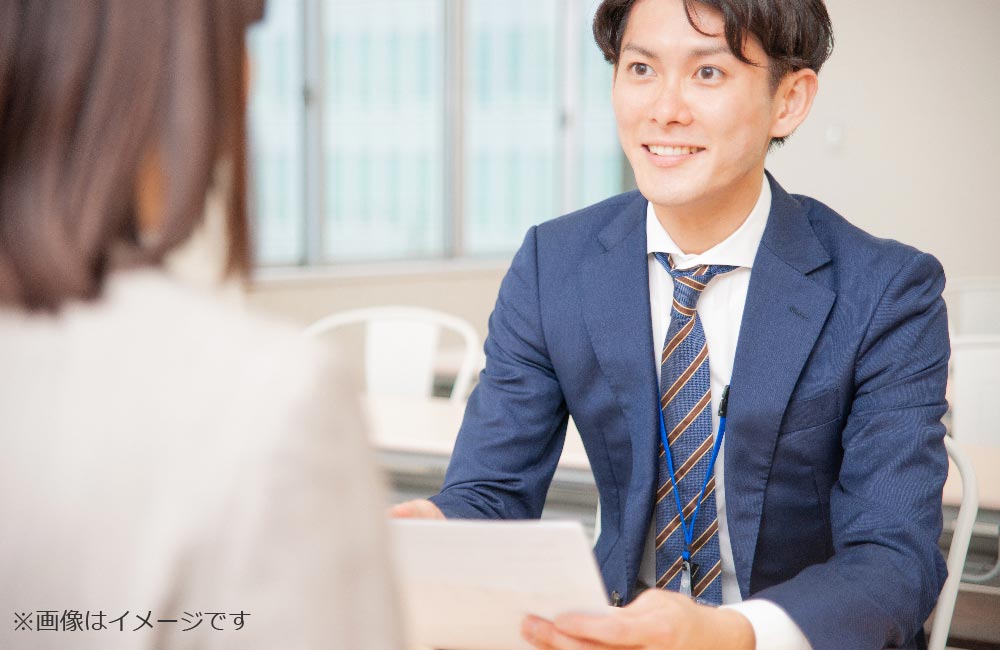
(689, 530)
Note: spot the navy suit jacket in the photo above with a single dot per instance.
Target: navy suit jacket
(834, 453)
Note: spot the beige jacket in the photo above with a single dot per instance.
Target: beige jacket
(166, 457)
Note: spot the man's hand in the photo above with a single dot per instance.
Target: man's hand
(416, 509)
(656, 620)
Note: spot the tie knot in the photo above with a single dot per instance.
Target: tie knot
(689, 283)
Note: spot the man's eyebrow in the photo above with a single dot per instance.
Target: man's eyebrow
(710, 51)
(697, 53)
(640, 50)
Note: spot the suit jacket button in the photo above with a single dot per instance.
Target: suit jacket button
(616, 599)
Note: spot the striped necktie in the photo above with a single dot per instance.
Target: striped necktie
(686, 402)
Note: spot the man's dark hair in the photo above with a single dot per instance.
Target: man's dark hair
(795, 34)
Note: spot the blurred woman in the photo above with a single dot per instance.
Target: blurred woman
(168, 464)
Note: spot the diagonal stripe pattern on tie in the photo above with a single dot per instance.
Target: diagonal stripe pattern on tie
(687, 415)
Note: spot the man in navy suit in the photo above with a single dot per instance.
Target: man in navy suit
(824, 502)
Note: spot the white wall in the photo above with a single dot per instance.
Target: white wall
(466, 289)
(912, 88)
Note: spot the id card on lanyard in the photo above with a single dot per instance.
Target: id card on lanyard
(688, 570)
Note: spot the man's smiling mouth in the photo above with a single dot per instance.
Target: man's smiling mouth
(664, 150)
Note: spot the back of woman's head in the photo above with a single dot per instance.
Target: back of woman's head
(93, 92)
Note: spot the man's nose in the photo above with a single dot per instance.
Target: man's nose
(670, 104)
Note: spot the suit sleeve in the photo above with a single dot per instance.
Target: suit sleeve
(515, 422)
(886, 572)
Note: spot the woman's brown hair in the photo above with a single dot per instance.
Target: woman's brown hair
(88, 91)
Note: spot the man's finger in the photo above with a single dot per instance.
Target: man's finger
(618, 629)
(416, 509)
(543, 635)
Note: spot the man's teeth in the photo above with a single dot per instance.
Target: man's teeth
(673, 151)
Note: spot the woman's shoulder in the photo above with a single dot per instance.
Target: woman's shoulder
(214, 326)
(162, 344)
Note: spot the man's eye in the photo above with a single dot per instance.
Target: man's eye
(641, 69)
(709, 73)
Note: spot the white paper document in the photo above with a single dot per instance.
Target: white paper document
(467, 585)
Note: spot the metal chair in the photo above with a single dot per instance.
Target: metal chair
(959, 546)
(974, 385)
(401, 346)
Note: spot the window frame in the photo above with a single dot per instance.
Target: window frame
(454, 255)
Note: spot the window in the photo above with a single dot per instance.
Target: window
(276, 127)
(406, 129)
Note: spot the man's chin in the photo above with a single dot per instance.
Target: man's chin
(669, 198)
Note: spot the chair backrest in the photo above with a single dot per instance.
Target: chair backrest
(975, 384)
(401, 346)
(959, 546)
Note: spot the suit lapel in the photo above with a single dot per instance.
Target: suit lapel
(615, 290)
(784, 314)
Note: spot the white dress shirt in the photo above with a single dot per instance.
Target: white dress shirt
(720, 309)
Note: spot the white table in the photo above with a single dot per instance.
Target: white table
(430, 426)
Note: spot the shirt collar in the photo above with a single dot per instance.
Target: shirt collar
(738, 249)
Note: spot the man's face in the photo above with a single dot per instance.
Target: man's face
(694, 121)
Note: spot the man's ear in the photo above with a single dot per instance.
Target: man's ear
(793, 101)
